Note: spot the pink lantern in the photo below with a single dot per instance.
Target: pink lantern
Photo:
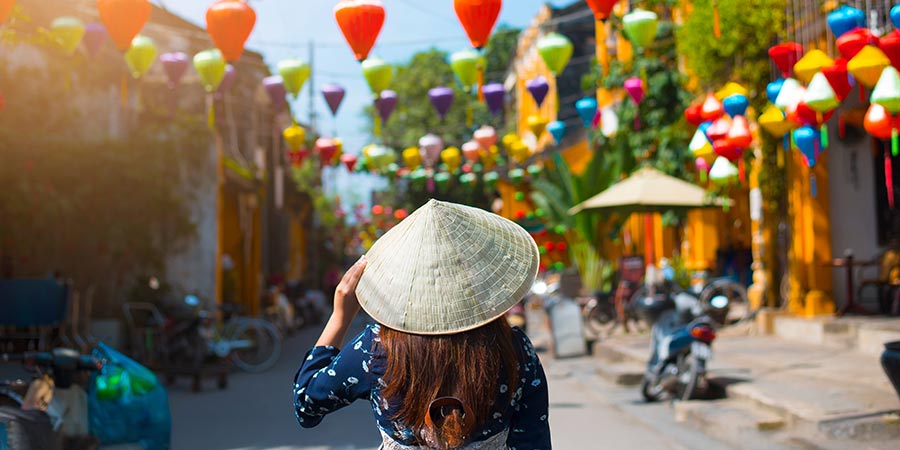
(470, 151)
(703, 168)
(326, 148)
(635, 88)
(486, 136)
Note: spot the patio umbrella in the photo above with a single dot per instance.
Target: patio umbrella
(649, 190)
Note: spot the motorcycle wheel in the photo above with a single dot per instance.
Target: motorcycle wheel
(264, 352)
(601, 319)
(689, 377)
(651, 393)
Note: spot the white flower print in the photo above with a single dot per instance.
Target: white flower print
(331, 372)
(358, 345)
(352, 380)
(503, 388)
(365, 366)
(536, 382)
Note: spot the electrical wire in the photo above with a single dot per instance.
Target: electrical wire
(413, 5)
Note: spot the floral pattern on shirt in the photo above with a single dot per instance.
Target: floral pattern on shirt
(330, 379)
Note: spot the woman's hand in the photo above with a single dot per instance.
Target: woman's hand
(346, 306)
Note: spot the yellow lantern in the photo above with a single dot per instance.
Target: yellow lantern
(412, 157)
(810, 64)
(731, 88)
(294, 137)
(537, 125)
(452, 157)
(867, 65)
(774, 122)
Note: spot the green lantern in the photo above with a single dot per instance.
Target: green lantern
(294, 74)
(535, 170)
(519, 196)
(560, 229)
(380, 157)
(465, 66)
(477, 168)
(210, 65)
(442, 179)
(392, 169)
(516, 176)
(362, 164)
(68, 32)
(542, 250)
(378, 74)
(468, 179)
(558, 266)
(540, 213)
(491, 178)
(556, 51)
(418, 177)
(887, 90)
(640, 27)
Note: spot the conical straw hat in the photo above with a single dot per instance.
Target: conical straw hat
(447, 268)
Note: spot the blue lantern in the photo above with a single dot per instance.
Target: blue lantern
(736, 105)
(807, 140)
(557, 129)
(587, 109)
(773, 89)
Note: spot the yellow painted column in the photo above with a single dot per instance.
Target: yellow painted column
(220, 214)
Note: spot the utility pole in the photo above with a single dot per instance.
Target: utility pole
(312, 85)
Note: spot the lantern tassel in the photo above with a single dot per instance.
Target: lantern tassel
(637, 122)
(862, 94)
(823, 135)
(813, 186)
(780, 159)
(895, 142)
(430, 184)
(717, 29)
(377, 125)
(742, 171)
(889, 178)
(787, 142)
(480, 83)
(211, 112)
(703, 176)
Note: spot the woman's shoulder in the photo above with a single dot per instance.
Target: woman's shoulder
(523, 345)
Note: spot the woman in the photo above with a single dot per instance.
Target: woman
(442, 368)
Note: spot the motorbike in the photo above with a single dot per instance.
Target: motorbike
(52, 414)
(683, 329)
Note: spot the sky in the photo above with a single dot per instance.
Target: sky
(284, 29)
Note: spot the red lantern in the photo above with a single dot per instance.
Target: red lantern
(400, 214)
(361, 22)
(890, 45)
(326, 149)
(6, 7)
(602, 8)
(229, 23)
(520, 215)
(739, 133)
(478, 17)
(561, 246)
(837, 78)
(124, 19)
(694, 114)
(785, 55)
(297, 157)
(349, 161)
(377, 210)
(712, 108)
(853, 41)
(802, 114)
(549, 246)
(727, 149)
(878, 122)
(719, 129)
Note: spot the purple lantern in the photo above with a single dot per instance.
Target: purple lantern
(175, 65)
(441, 98)
(494, 96)
(227, 81)
(277, 93)
(385, 104)
(94, 37)
(334, 95)
(539, 88)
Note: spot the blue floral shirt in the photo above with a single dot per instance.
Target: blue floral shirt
(330, 379)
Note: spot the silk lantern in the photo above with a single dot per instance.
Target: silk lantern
(851, 43)
(774, 122)
(334, 96)
(807, 140)
(610, 124)
(229, 24)
(700, 145)
(294, 137)
(385, 104)
(452, 158)
(635, 88)
(274, 88)
(140, 56)
(210, 65)
(471, 151)
(360, 21)
(465, 66)
(6, 7)
(538, 87)
(731, 88)
(820, 96)
(494, 96)
(378, 74)
(94, 36)
(556, 51)
(712, 108)
(326, 149)
(736, 105)
(175, 65)
(412, 158)
(702, 168)
(843, 19)
(867, 65)
(890, 45)
(349, 161)
(587, 109)
(810, 64)
(486, 136)
(739, 133)
(887, 94)
(68, 33)
(602, 8)
(441, 99)
(694, 114)
(773, 89)
(124, 19)
(478, 18)
(640, 27)
(838, 78)
(294, 74)
(537, 125)
(723, 172)
(557, 129)
(785, 55)
(790, 95)
(430, 147)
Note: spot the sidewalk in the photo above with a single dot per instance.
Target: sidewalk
(816, 394)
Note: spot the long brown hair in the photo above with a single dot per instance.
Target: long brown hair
(470, 366)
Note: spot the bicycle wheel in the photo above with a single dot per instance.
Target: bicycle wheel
(257, 345)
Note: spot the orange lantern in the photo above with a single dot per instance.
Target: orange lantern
(478, 18)
(602, 8)
(229, 24)
(124, 19)
(6, 7)
(361, 22)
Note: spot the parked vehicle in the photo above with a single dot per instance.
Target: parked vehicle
(682, 333)
(53, 413)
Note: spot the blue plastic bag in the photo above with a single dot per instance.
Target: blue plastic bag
(127, 403)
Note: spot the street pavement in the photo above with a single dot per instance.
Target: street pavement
(255, 412)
